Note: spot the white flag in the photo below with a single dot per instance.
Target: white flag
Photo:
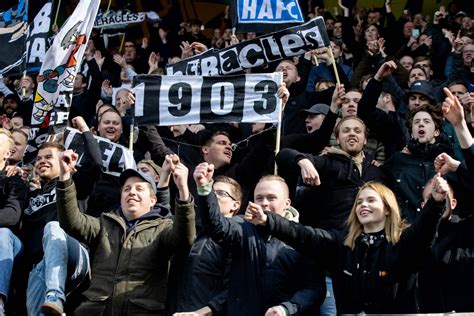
(60, 66)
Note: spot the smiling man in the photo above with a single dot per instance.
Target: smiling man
(132, 245)
(339, 173)
(52, 256)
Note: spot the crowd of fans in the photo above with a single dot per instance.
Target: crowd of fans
(371, 210)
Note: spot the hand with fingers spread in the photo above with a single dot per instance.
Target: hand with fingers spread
(444, 164)
(119, 60)
(309, 174)
(186, 50)
(107, 88)
(203, 174)
(255, 215)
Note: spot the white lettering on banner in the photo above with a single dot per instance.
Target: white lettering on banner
(209, 66)
(42, 20)
(139, 91)
(171, 100)
(265, 10)
(274, 51)
(179, 98)
(222, 100)
(313, 36)
(292, 44)
(38, 34)
(37, 50)
(249, 9)
(280, 7)
(243, 57)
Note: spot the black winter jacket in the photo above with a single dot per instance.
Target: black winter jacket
(340, 180)
(13, 199)
(264, 271)
(376, 276)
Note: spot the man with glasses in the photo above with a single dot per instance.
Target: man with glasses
(202, 271)
(266, 275)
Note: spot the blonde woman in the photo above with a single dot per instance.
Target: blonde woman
(373, 265)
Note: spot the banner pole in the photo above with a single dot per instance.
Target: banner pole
(334, 65)
(277, 145)
(278, 133)
(108, 8)
(121, 43)
(57, 13)
(132, 124)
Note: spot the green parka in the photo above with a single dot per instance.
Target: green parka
(129, 269)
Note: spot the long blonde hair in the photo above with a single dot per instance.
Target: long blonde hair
(394, 225)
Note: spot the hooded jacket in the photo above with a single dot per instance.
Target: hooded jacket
(131, 258)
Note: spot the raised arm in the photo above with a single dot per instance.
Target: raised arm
(223, 230)
(183, 231)
(83, 227)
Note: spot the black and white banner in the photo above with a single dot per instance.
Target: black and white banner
(276, 46)
(13, 26)
(121, 18)
(265, 15)
(172, 100)
(37, 41)
(115, 158)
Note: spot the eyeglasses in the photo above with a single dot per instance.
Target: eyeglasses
(222, 193)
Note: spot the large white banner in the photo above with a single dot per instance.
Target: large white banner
(60, 66)
(171, 100)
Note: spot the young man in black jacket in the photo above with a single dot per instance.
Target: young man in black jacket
(266, 275)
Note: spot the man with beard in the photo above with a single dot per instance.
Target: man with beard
(339, 173)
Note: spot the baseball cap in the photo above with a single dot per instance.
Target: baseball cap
(422, 87)
(135, 173)
(152, 165)
(318, 108)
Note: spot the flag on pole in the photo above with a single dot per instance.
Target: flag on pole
(62, 61)
(13, 26)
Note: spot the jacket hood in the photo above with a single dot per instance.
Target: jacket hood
(291, 214)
